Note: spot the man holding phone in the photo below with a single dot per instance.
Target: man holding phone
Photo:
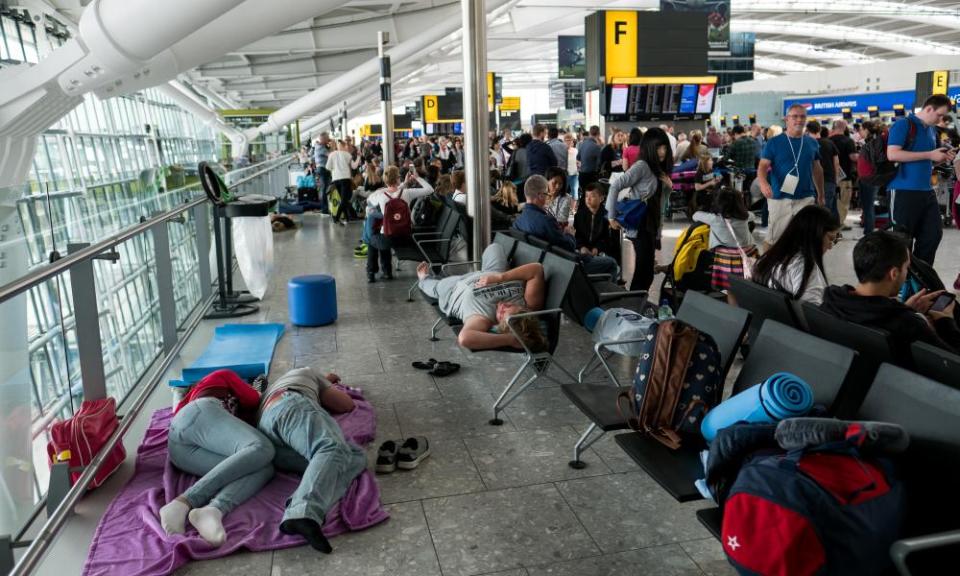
(881, 261)
(913, 203)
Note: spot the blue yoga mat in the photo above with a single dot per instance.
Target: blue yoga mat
(779, 397)
(247, 349)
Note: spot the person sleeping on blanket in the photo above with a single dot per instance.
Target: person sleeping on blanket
(295, 417)
(213, 435)
(485, 300)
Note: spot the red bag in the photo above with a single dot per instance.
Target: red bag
(79, 439)
(396, 216)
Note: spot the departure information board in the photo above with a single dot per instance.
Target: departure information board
(653, 101)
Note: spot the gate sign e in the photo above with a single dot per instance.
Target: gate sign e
(940, 79)
(620, 44)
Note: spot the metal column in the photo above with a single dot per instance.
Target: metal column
(386, 104)
(86, 313)
(477, 119)
(164, 268)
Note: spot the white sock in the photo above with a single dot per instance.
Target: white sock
(209, 523)
(173, 517)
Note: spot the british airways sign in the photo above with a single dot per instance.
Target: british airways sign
(857, 103)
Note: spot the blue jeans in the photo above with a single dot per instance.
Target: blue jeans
(830, 198)
(309, 441)
(868, 195)
(231, 457)
(572, 186)
(600, 265)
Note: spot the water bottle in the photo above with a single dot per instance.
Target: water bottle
(665, 312)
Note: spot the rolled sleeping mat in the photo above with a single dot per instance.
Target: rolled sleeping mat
(779, 397)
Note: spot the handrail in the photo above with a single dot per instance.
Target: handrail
(42, 274)
(44, 538)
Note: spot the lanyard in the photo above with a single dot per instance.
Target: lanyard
(796, 155)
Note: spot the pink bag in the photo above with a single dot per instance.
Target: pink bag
(78, 440)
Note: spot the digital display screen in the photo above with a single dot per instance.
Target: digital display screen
(430, 128)
(671, 98)
(688, 99)
(618, 99)
(654, 101)
(705, 98)
(458, 128)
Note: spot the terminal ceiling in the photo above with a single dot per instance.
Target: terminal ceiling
(792, 36)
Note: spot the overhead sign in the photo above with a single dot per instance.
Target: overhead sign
(571, 57)
(620, 43)
(857, 103)
(718, 20)
(510, 103)
(431, 109)
(494, 90)
(940, 79)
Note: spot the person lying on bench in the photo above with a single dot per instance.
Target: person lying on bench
(307, 440)
(212, 436)
(485, 300)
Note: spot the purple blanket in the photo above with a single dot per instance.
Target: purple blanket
(129, 539)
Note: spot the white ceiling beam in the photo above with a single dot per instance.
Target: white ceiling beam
(867, 37)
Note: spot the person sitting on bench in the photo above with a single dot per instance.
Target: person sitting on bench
(486, 299)
(295, 417)
(881, 261)
(536, 221)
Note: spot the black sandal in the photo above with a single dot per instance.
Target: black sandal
(445, 369)
(428, 365)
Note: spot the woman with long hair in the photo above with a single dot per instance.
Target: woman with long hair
(611, 156)
(695, 149)
(794, 264)
(870, 131)
(648, 179)
(559, 202)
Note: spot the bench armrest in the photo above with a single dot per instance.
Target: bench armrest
(610, 296)
(902, 548)
(444, 267)
(510, 320)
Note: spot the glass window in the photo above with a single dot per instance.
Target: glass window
(12, 33)
(29, 40)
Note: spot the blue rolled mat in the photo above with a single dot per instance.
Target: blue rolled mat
(779, 397)
(247, 349)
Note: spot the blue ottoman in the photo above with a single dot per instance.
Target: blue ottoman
(313, 300)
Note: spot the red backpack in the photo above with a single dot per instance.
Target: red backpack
(78, 440)
(396, 216)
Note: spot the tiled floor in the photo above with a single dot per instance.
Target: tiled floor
(489, 500)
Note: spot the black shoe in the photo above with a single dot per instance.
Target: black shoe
(371, 278)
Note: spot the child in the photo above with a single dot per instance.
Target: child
(704, 181)
(591, 226)
(729, 235)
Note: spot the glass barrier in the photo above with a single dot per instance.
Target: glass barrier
(42, 341)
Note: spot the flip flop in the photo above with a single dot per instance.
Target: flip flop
(445, 369)
(428, 365)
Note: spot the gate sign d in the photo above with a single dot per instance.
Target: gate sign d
(620, 44)
(431, 111)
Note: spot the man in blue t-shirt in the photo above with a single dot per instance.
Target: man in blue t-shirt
(790, 174)
(913, 203)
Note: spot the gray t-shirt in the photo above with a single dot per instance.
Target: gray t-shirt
(465, 299)
(306, 381)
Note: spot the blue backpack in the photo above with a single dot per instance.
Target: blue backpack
(678, 380)
(815, 511)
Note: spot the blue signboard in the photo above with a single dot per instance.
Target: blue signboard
(688, 99)
(857, 103)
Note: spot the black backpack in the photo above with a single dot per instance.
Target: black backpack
(426, 210)
(875, 152)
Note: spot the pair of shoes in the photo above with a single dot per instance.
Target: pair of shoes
(360, 251)
(407, 456)
(436, 367)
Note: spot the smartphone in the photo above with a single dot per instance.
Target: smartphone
(943, 301)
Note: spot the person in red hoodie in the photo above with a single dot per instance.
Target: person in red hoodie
(213, 435)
